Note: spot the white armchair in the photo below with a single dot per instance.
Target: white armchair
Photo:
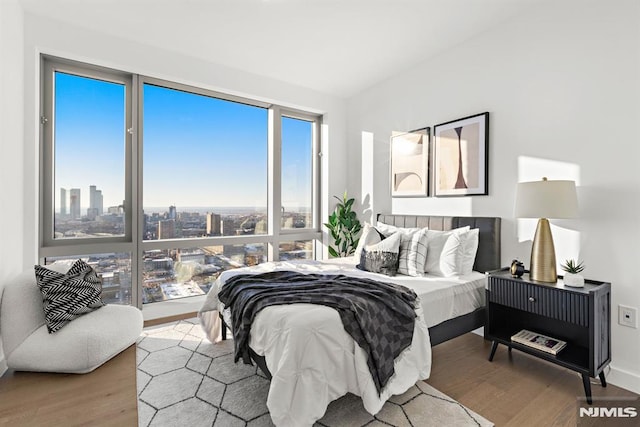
(79, 347)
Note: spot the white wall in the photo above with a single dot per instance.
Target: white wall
(562, 84)
(12, 259)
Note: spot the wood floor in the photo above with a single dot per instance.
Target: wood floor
(516, 390)
(104, 397)
(513, 390)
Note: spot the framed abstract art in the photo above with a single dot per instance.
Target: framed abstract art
(461, 157)
(410, 163)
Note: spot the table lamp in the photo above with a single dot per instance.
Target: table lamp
(545, 199)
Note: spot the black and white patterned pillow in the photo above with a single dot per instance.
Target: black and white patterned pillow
(67, 296)
(381, 257)
(413, 253)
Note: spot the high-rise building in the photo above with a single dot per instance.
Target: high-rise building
(261, 227)
(173, 212)
(63, 202)
(92, 214)
(194, 255)
(96, 200)
(213, 224)
(167, 229)
(74, 203)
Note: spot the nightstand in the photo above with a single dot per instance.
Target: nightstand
(579, 316)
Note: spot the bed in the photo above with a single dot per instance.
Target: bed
(314, 361)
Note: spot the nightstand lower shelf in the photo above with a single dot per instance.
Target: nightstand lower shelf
(573, 356)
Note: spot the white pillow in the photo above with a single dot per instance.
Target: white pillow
(387, 229)
(444, 251)
(469, 250)
(369, 236)
(413, 253)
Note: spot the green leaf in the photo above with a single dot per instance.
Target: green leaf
(349, 203)
(333, 252)
(333, 219)
(573, 266)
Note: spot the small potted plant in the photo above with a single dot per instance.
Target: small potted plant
(572, 276)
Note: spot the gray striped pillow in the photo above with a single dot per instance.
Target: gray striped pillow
(413, 253)
(67, 296)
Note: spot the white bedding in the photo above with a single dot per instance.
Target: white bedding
(442, 298)
(314, 361)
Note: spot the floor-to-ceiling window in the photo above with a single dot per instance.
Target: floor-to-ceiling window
(162, 186)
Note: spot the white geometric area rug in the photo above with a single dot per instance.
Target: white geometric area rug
(184, 380)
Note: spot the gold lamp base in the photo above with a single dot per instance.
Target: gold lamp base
(543, 254)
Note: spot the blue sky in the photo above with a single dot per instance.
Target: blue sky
(296, 163)
(89, 137)
(198, 151)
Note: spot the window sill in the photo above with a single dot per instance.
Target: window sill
(158, 310)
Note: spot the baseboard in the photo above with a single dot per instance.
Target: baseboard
(624, 379)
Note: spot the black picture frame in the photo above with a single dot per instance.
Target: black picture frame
(461, 157)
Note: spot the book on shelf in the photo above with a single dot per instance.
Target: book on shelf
(539, 341)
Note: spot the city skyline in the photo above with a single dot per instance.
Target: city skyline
(168, 222)
(60, 208)
(197, 151)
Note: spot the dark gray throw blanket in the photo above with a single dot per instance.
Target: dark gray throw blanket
(379, 316)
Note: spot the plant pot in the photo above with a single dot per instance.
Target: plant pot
(573, 280)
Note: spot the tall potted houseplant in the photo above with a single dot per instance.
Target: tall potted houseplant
(344, 228)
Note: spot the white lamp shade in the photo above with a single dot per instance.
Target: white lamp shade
(546, 199)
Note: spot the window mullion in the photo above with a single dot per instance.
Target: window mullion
(47, 123)
(275, 180)
(315, 167)
(134, 183)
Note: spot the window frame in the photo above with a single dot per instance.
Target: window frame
(315, 166)
(133, 240)
(49, 67)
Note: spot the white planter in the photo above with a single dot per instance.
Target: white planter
(573, 280)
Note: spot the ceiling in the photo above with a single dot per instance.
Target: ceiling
(339, 47)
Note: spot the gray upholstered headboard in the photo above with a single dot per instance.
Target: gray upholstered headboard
(488, 256)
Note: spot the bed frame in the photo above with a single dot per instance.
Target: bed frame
(487, 259)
